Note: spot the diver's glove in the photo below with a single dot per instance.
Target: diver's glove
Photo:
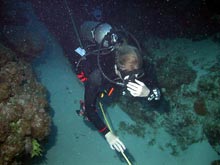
(114, 142)
(138, 89)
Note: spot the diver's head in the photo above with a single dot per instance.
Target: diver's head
(128, 63)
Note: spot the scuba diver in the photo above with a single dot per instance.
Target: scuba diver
(109, 60)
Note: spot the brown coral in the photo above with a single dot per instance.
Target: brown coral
(200, 107)
(4, 91)
(4, 129)
(173, 72)
(6, 55)
(23, 108)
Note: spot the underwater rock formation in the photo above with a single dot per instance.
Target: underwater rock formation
(18, 30)
(24, 116)
(27, 43)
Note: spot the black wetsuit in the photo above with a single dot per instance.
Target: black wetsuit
(95, 82)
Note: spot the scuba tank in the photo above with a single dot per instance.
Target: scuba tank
(101, 39)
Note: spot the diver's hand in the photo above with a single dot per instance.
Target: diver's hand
(138, 89)
(114, 142)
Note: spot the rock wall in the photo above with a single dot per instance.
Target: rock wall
(24, 109)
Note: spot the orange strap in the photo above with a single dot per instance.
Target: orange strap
(111, 91)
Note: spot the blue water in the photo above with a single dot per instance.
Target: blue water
(73, 142)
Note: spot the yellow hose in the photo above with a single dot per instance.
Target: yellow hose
(109, 127)
(105, 118)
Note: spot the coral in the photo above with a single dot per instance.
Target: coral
(4, 128)
(136, 129)
(200, 107)
(209, 88)
(173, 147)
(137, 110)
(174, 66)
(28, 144)
(4, 91)
(36, 149)
(6, 55)
(211, 129)
(11, 113)
(183, 127)
(38, 122)
(23, 109)
(215, 162)
(11, 147)
(209, 85)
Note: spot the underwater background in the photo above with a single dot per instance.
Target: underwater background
(39, 91)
